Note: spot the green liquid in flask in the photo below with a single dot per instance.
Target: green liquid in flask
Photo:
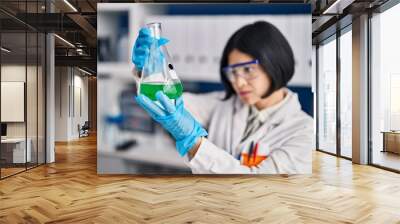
(173, 91)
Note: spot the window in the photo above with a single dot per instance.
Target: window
(327, 96)
(346, 93)
(385, 89)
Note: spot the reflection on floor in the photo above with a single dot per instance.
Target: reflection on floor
(10, 169)
(346, 152)
(70, 191)
(387, 159)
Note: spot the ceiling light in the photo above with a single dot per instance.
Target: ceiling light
(70, 5)
(337, 7)
(5, 50)
(84, 71)
(65, 41)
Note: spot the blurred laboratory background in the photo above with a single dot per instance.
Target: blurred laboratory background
(63, 63)
(128, 140)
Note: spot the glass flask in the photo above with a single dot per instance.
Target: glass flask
(158, 73)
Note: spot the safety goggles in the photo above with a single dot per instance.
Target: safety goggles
(245, 70)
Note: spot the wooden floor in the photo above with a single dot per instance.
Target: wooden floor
(70, 191)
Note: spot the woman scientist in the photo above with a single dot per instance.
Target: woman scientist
(257, 126)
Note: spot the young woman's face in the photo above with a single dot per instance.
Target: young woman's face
(250, 82)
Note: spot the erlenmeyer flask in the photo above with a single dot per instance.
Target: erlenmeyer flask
(158, 73)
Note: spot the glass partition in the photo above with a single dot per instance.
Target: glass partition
(41, 96)
(32, 95)
(14, 154)
(33, 72)
(22, 76)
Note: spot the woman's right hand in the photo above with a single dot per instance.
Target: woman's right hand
(142, 45)
(185, 129)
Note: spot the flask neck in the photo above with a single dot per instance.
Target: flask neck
(155, 29)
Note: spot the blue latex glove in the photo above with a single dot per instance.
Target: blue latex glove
(142, 46)
(175, 119)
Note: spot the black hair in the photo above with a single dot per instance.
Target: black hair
(264, 42)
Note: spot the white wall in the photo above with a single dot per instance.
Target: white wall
(61, 103)
(13, 73)
(70, 83)
(79, 117)
(12, 100)
(33, 126)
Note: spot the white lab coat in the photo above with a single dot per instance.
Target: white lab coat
(286, 137)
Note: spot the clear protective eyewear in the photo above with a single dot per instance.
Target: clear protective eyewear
(245, 70)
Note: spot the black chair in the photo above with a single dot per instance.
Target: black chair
(84, 130)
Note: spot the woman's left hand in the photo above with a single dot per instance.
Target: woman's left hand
(141, 48)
